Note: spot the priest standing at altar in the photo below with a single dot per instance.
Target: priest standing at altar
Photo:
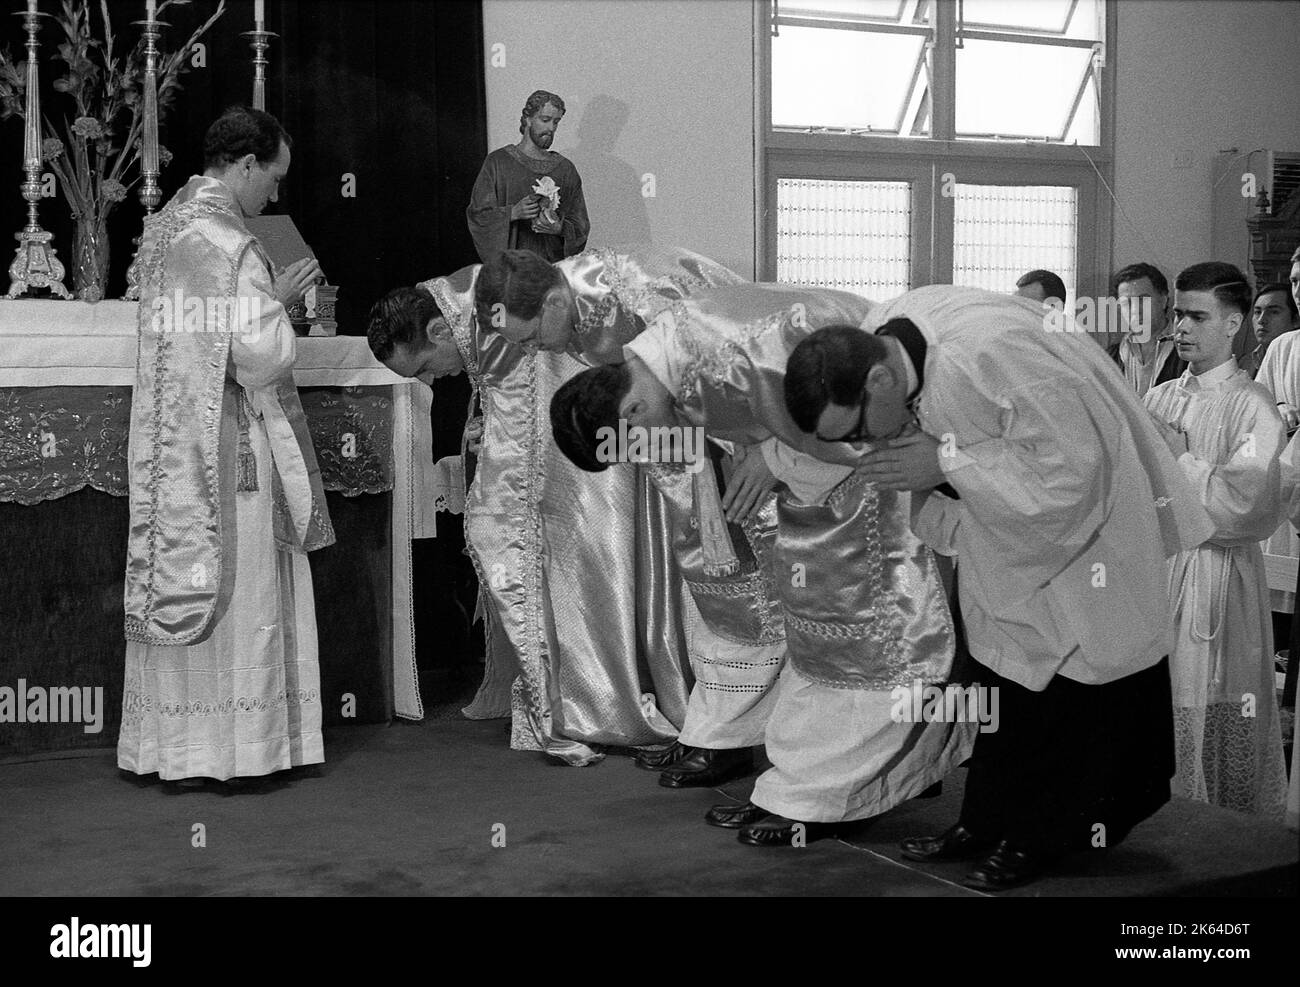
(222, 673)
(526, 196)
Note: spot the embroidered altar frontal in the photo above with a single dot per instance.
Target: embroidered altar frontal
(63, 546)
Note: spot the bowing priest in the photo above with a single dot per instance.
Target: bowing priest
(565, 560)
(864, 609)
(1227, 435)
(590, 306)
(222, 673)
(1068, 505)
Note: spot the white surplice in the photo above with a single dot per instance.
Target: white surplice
(1225, 703)
(1279, 372)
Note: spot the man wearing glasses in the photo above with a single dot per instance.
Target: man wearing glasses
(1069, 505)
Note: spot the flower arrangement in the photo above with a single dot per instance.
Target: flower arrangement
(96, 157)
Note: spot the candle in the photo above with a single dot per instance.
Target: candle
(150, 9)
(259, 13)
(31, 6)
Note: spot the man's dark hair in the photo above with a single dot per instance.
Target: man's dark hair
(830, 367)
(535, 102)
(398, 319)
(1285, 289)
(584, 405)
(1225, 280)
(516, 279)
(1136, 272)
(1053, 286)
(242, 130)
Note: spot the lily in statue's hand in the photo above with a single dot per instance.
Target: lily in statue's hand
(909, 462)
(295, 279)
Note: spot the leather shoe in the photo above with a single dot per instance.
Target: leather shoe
(780, 831)
(734, 816)
(1006, 867)
(657, 760)
(705, 768)
(958, 843)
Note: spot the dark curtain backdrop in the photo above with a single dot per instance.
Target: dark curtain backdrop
(389, 92)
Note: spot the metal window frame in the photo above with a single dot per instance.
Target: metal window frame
(792, 153)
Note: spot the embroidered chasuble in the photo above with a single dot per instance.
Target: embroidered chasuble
(222, 672)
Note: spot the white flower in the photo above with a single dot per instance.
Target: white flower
(546, 186)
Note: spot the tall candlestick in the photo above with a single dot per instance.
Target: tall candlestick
(150, 192)
(36, 264)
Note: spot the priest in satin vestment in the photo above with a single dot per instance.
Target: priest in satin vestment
(565, 560)
(1228, 440)
(222, 673)
(864, 615)
(592, 305)
(1068, 505)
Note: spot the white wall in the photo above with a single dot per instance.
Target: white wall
(665, 87)
(651, 87)
(1195, 77)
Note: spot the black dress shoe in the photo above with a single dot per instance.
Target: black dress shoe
(705, 768)
(780, 831)
(657, 760)
(734, 815)
(958, 843)
(1006, 867)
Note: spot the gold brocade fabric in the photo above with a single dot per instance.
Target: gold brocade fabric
(618, 292)
(743, 608)
(864, 605)
(55, 441)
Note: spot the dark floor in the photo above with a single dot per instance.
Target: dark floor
(411, 809)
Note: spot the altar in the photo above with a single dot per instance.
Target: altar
(66, 375)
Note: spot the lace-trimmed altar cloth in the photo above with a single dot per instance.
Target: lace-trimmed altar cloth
(69, 346)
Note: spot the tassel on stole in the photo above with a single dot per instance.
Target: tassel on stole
(246, 464)
(719, 554)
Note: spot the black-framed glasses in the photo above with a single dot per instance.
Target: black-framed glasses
(859, 433)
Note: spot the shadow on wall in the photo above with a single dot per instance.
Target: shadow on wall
(611, 186)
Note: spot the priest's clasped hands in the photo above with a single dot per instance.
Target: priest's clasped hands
(908, 462)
